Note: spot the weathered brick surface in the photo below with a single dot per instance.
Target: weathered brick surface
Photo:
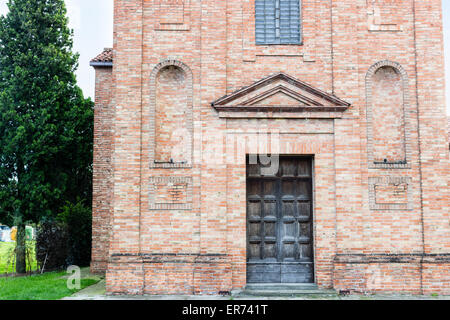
(176, 203)
(102, 171)
(448, 126)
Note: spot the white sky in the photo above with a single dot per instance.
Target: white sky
(92, 21)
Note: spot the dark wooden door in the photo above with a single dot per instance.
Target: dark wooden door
(279, 223)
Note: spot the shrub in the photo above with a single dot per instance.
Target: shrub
(66, 240)
(51, 245)
(78, 220)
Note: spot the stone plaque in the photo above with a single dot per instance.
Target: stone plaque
(390, 193)
(167, 193)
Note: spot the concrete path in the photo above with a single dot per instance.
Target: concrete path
(97, 292)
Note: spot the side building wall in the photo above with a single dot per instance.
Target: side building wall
(102, 169)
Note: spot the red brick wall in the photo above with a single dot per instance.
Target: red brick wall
(378, 226)
(448, 126)
(102, 175)
(434, 150)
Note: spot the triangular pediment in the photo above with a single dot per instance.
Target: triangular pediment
(279, 98)
(280, 92)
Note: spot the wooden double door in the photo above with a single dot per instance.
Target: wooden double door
(280, 223)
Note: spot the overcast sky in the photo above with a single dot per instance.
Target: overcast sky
(92, 21)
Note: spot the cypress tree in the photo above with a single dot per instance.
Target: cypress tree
(46, 125)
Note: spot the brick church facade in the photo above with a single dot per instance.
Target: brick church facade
(243, 142)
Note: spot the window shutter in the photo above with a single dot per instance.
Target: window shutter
(277, 21)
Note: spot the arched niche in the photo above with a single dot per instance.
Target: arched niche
(387, 116)
(171, 112)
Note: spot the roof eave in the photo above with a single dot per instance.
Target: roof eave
(101, 64)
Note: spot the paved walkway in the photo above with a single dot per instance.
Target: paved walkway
(97, 292)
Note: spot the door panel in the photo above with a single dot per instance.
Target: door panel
(279, 223)
(297, 273)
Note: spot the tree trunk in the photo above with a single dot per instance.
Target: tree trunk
(21, 264)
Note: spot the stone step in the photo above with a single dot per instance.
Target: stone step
(281, 286)
(285, 290)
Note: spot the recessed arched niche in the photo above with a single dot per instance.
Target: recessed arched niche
(171, 113)
(387, 121)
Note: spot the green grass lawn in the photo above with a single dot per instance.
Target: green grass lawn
(6, 249)
(48, 286)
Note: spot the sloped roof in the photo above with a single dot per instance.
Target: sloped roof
(104, 59)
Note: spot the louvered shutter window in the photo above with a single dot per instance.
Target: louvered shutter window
(277, 21)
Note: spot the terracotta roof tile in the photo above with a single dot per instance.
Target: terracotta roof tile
(105, 57)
